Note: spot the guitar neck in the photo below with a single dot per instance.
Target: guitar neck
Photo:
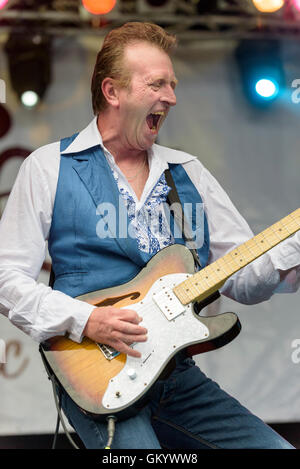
(211, 278)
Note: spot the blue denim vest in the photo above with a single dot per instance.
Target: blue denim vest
(82, 261)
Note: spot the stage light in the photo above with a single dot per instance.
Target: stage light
(29, 98)
(267, 88)
(296, 4)
(261, 70)
(29, 64)
(99, 7)
(3, 3)
(268, 6)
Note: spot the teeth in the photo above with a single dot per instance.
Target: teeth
(156, 123)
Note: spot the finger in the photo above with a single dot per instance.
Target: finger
(124, 348)
(130, 315)
(128, 338)
(129, 328)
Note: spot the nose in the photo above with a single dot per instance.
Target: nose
(169, 96)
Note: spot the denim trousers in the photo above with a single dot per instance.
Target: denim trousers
(186, 411)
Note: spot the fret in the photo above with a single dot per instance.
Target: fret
(253, 248)
(258, 244)
(181, 294)
(205, 279)
(219, 272)
(238, 256)
(222, 266)
(281, 231)
(190, 288)
(260, 240)
(294, 224)
(216, 272)
(208, 274)
(295, 217)
(287, 227)
(244, 251)
(199, 282)
(291, 217)
(183, 291)
(249, 250)
(273, 236)
(262, 237)
(232, 263)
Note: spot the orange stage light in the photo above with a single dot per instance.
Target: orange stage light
(99, 7)
(268, 6)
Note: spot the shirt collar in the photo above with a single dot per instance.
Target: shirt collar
(90, 137)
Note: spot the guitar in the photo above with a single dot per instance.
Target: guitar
(168, 295)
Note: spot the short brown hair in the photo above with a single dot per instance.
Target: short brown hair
(109, 58)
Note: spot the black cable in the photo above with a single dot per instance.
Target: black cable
(56, 431)
(60, 414)
(111, 419)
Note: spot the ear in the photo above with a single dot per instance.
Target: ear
(110, 91)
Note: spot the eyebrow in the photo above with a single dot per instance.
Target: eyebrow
(172, 81)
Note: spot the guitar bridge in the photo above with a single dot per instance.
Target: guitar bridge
(109, 352)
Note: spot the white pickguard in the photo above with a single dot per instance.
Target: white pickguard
(166, 336)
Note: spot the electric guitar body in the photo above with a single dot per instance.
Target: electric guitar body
(104, 384)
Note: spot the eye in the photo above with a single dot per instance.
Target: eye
(157, 84)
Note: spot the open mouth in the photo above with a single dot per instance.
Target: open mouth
(154, 120)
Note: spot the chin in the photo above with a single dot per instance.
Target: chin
(152, 140)
(147, 145)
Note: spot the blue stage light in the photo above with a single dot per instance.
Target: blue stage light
(267, 88)
(261, 70)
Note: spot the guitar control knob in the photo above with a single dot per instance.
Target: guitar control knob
(131, 373)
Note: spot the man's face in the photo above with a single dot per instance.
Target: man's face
(145, 104)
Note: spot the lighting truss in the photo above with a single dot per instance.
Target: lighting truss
(230, 19)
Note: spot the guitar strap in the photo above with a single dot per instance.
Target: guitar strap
(179, 218)
(174, 201)
(51, 278)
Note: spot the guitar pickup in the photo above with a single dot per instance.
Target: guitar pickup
(168, 303)
(109, 352)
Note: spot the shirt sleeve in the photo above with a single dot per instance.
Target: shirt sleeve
(34, 307)
(277, 271)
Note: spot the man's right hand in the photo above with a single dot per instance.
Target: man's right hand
(116, 327)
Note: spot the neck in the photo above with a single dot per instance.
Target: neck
(112, 141)
(208, 280)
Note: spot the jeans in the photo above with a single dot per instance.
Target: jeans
(185, 411)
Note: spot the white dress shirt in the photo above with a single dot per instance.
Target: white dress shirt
(24, 228)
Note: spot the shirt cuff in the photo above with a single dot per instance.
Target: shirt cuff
(286, 255)
(61, 314)
(81, 314)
